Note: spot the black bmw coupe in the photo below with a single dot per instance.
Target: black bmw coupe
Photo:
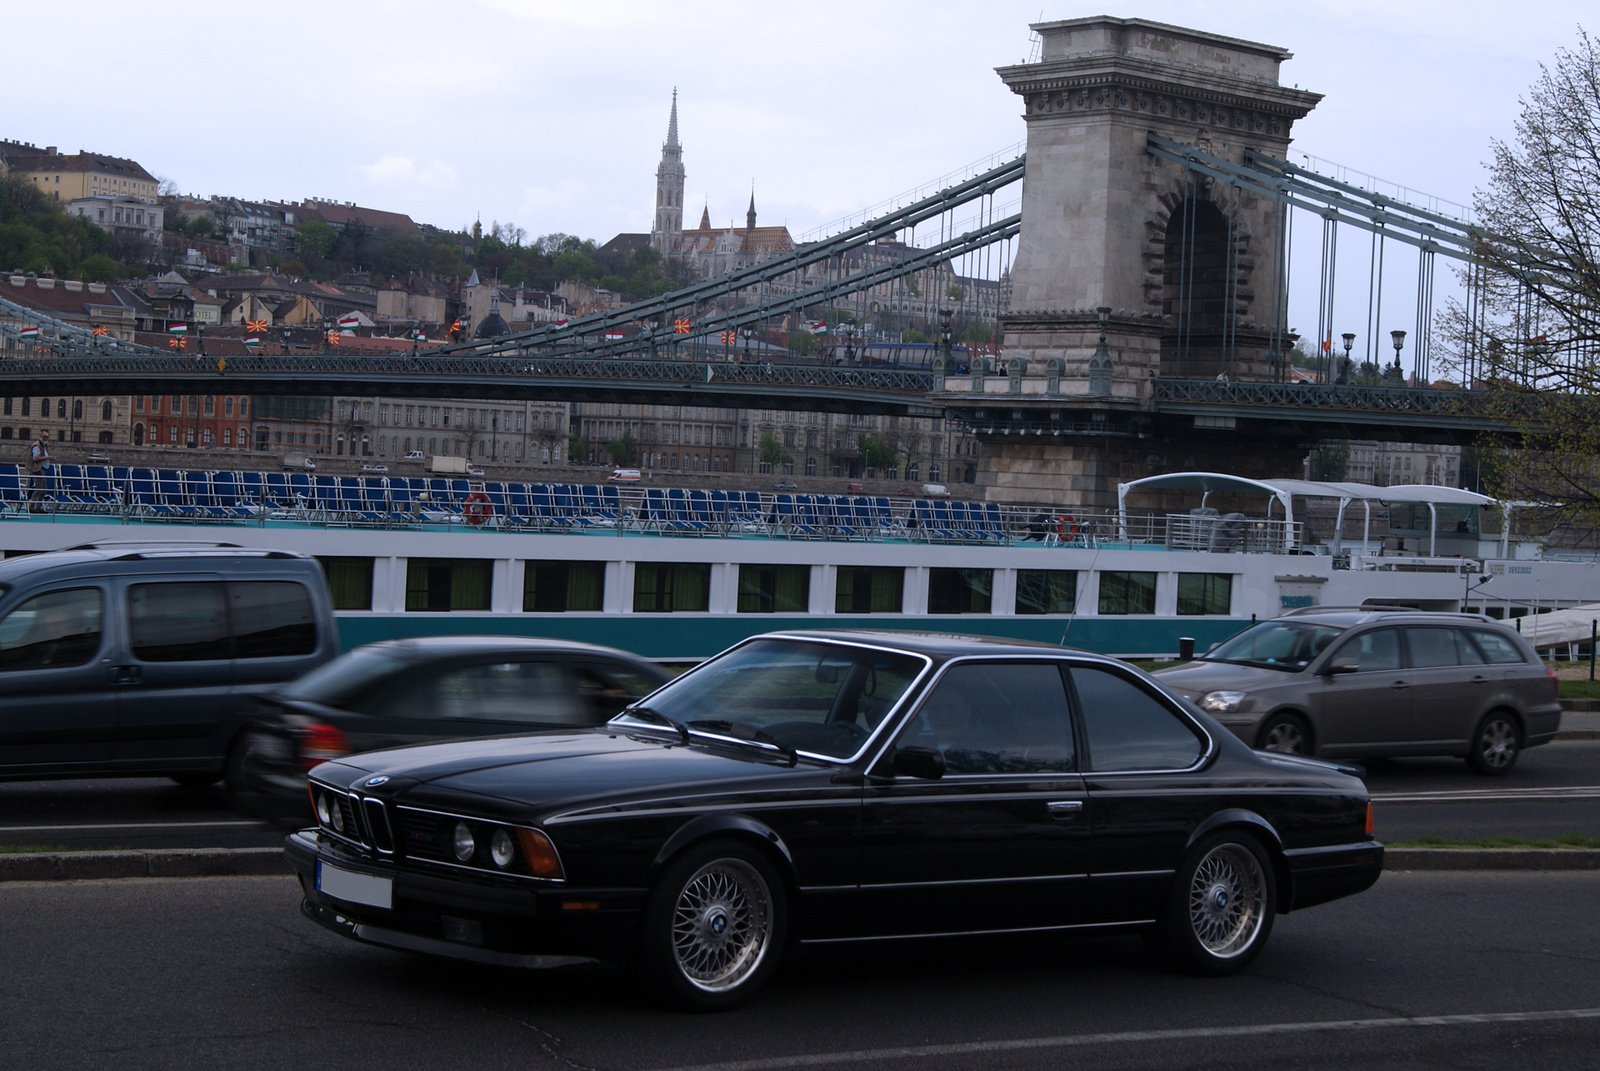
(826, 787)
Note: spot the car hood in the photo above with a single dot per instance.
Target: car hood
(1194, 679)
(542, 770)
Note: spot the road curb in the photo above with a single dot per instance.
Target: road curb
(1578, 734)
(161, 863)
(254, 862)
(1491, 859)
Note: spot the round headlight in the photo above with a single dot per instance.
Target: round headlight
(462, 843)
(337, 813)
(322, 808)
(502, 849)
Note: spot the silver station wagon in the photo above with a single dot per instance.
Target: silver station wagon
(1358, 683)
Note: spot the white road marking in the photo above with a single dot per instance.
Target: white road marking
(124, 827)
(1503, 795)
(977, 1048)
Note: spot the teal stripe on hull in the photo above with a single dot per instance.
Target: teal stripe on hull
(669, 636)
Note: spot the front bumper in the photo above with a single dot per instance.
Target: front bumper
(1320, 874)
(483, 919)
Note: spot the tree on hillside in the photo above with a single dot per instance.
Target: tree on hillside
(1535, 343)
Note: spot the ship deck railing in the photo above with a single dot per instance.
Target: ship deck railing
(241, 497)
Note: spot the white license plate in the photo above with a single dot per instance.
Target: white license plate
(355, 888)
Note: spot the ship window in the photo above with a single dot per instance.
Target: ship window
(554, 587)
(1205, 593)
(960, 591)
(1127, 593)
(349, 582)
(666, 587)
(1046, 591)
(768, 589)
(866, 589)
(442, 584)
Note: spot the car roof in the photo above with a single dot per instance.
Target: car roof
(939, 645)
(424, 647)
(1350, 617)
(134, 550)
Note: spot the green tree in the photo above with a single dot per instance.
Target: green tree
(954, 292)
(200, 226)
(1331, 461)
(770, 452)
(874, 452)
(624, 451)
(577, 449)
(802, 342)
(314, 241)
(912, 335)
(976, 332)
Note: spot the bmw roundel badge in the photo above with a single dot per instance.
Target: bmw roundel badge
(374, 782)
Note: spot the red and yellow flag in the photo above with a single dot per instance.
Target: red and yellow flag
(255, 327)
(176, 343)
(333, 338)
(101, 331)
(681, 325)
(729, 337)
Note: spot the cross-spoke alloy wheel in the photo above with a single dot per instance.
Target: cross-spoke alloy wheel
(715, 926)
(1221, 908)
(1286, 733)
(1496, 745)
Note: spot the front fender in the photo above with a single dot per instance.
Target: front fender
(710, 825)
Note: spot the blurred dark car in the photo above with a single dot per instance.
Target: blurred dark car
(424, 690)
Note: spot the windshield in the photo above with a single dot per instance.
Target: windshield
(821, 698)
(334, 683)
(1276, 645)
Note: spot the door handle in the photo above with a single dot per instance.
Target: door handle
(1399, 686)
(1480, 679)
(1064, 808)
(124, 674)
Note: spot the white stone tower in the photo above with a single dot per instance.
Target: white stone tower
(668, 226)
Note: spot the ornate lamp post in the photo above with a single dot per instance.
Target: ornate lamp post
(1399, 338)
(1346, 366)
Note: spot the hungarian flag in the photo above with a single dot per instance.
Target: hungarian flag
(252, 340)
(255, 326)
(559, 325)
(100, 331)
(729, 337)
(612, 336)
(349, 322)
(176, 343)
(30, 332)
(179, 329)
(681, 325)
(421, 335)
(819, 327)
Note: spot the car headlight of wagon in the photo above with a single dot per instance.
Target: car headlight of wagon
(1223, 702)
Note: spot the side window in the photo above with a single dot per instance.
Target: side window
(609, 688)
(526, 692)
(272, 618)
(1378, 650)
(997, 718)
(1130, 729)
(1495, 647)
(1432, 647)
(184, 622)
(1466, 653)
(58, 628)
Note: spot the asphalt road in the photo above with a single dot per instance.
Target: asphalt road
(1485, 970)
(1553, 790)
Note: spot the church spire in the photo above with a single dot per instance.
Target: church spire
(668, 225)
(750, 216)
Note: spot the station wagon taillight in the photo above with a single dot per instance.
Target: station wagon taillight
(1369, 818)
(320, 742)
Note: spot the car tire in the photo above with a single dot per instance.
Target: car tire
(1496, 743)
(1287, 733)
(1220, 912)
(714, 926)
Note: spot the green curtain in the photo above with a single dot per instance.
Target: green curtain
(469, 585)
(791, 589)
(349, 582)
(586, 585)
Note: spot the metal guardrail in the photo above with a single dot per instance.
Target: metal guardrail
(1313, 396)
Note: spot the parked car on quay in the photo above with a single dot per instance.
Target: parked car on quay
(144, 659)
(424, 690)
(835, 786)
(1364, 683)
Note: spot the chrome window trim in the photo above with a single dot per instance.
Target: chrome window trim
(831, 760)
(1207, 753)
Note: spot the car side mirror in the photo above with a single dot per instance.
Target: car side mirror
(1342, 665)
(924, 762)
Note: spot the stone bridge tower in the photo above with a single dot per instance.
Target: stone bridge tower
(1188, 268)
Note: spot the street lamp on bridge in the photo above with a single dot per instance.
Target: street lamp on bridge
(1399, 338)
(1346, 365)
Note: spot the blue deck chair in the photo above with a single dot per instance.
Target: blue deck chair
(170, 486)
(11, 493)
(300, 496)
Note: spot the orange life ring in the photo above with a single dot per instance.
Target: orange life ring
(477, 507)
(1066, 527)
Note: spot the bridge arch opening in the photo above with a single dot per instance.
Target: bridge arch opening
(1195, 289)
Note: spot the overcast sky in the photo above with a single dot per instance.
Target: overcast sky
(552, 114)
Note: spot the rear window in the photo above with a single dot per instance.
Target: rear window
(347, 676)
(1495, 647)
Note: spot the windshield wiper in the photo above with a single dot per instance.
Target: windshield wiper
(748, 732)
(656, 715)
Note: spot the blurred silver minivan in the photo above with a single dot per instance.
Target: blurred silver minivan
(1359, 683)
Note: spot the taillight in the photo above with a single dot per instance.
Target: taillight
(1550, 671)
(1369, 818)
(320, 742)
